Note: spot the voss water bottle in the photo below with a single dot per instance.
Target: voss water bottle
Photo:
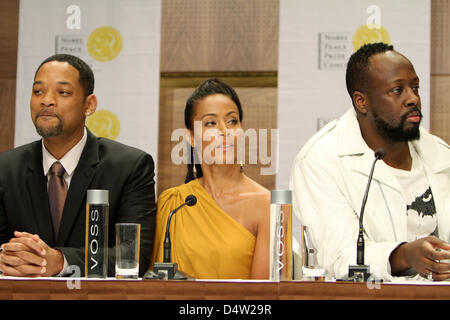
(96, 248)
(281, 235)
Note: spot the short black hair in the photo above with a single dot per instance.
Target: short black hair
(86, 76)
(206, 88)
(357, 66)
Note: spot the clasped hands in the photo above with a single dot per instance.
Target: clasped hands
(27, 255)
(424, 256)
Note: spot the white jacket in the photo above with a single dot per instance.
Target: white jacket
(329, 178)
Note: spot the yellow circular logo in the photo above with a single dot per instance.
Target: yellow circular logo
(104, 44)
(104, 123)
(370, 34)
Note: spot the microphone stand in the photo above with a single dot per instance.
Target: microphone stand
(167, 270)
(361, 272)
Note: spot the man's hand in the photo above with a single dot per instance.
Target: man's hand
(27, 255)
(424, 256)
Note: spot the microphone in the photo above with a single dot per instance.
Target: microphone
(189, 201)
(167, 270)
(361, 272)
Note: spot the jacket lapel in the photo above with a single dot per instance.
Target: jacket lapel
(381, 173)
(37, 190)
(351, 143)
(360, 157)
(435, 154)
(433, 151)
(76, 194)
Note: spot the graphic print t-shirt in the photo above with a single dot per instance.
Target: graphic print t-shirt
(420, 209)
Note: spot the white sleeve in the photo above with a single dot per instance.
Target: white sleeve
(64, 269)
(321, 203)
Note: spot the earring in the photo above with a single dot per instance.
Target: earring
(194, 169)
(241, 154)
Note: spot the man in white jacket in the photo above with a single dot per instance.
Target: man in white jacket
(407, 215)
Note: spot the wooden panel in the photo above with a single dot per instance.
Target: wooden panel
(171, 108)
(260, 112)
(237, 79)
(7, 113)
(9, 26)
(217, 35)
(440, 106)
(440, 32)
(259, 109)
(9, 20)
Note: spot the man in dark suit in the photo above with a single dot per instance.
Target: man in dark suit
(36, 241)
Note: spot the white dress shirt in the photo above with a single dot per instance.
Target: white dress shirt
(69, 161)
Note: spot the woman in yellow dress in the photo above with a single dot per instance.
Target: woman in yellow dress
(225, 235)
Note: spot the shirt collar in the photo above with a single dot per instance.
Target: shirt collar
(69, 160)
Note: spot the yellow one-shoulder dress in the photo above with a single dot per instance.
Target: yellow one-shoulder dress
(207, 243)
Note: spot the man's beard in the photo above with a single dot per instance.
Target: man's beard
(48, 132)
(397, 133)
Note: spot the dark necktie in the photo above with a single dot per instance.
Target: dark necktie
(57, 192)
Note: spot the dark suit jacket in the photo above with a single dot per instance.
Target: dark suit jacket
(128, 174)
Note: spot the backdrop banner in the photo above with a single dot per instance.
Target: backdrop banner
(317, 38)
(120, 40)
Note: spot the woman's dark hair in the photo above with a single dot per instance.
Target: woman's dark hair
(208, 87)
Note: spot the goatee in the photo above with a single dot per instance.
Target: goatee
(397, 133)
(48, 132)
